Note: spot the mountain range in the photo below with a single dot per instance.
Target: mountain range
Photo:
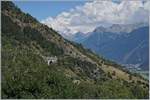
(30, 72)
(125, 44)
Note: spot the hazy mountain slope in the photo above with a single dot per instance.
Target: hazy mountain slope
(122, 47)
(79, 37)
(78, 73)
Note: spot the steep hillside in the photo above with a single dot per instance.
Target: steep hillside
(78, 73)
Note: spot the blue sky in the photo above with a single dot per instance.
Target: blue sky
(42, 10)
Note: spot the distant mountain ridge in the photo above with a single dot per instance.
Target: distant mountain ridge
(126, 44)
(120, 28)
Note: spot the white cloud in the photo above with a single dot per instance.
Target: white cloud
(93, 14)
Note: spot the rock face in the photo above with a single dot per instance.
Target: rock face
(125, 44)
(78, 73)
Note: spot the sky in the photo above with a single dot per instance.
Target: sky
(70, 17)
(43, 9)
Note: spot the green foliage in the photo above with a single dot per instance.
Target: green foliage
(28, 76)
(27, 36)
(83, 67)
(13, 28)
(34, 35)
(139, 92)
(109, 89)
